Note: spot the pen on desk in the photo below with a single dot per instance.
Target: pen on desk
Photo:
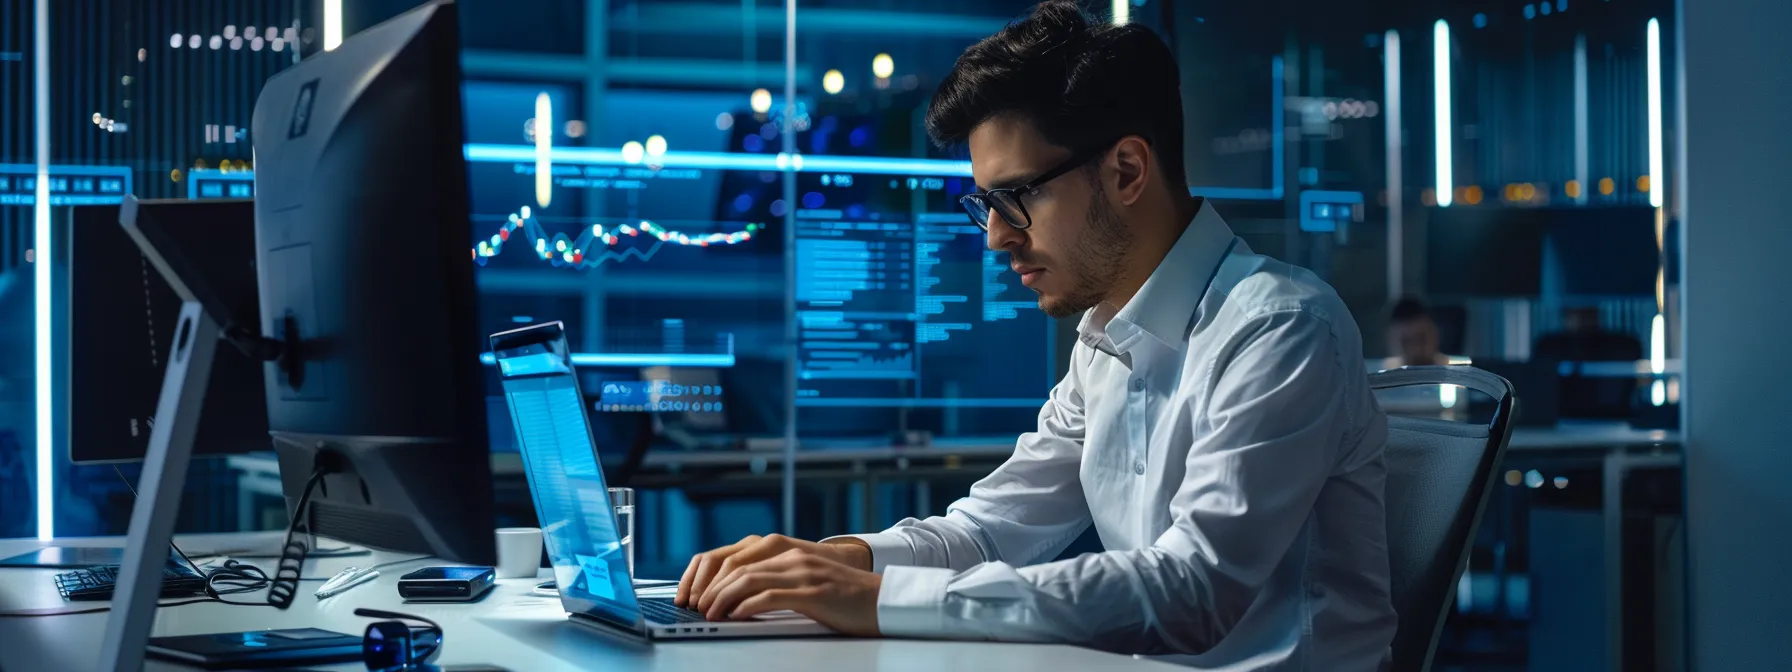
(344, 580)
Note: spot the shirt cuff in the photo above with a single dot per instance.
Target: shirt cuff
(912, 601)
(887, 549)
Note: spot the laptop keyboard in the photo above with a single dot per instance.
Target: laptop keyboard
(661, 610)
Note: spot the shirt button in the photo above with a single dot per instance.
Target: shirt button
(1139, 467)
(1138, 384)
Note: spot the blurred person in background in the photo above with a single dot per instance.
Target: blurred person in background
(1412, 336)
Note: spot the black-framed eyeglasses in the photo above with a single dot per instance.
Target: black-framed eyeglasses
(1007, 201)
(395, 645)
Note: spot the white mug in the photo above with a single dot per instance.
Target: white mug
(519, 552)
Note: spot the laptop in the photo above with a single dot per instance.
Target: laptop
(579, 526)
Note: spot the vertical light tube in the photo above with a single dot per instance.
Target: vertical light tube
(788, 136)
(1440, 55)
(1655, 150)
(1396, 179)
(544, 149)
(41, 243)
(1658, 344)
(1122, 12)
(1581, 174)
(1658, 359)
(332, 24)
(1658, 327)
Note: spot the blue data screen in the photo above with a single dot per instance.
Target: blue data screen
(578, 524)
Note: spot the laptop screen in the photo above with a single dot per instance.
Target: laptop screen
(565, 479)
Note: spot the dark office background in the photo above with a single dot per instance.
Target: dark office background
(1548, 212)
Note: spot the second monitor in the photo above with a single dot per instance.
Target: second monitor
(121, 324)
(378, 403)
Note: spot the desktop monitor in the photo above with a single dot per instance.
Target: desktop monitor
(1604, 251)
(361, 216)
(1483, 251)
(121, 326)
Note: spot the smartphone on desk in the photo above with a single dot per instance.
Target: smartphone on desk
(446, 584)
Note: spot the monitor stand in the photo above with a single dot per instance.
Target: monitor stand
(139, 587)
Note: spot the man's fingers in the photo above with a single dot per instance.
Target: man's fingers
(684, 582)
(776, 599)
(706, 573)
(793, 562)
(745, 585)
(749, 555)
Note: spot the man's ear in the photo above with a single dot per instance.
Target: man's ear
(1129, 164)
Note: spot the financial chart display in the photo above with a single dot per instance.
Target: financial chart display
(662, 244)
(906, 309)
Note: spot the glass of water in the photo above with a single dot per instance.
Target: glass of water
(623, 500)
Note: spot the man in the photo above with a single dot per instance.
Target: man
(1412, 336)
(1215, 425)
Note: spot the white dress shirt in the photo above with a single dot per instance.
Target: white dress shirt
(1219, 433)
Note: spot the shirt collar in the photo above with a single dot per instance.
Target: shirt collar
(1165, 303)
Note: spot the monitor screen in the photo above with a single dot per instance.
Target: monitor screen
(565, 478)
(122, 315)
(1483, 252)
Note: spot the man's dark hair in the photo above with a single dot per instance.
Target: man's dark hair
(1409, 308)
(1082, 83)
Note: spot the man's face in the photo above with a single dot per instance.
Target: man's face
(1415, 339)
(1076, 246)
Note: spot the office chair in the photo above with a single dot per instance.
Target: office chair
(1440, 474)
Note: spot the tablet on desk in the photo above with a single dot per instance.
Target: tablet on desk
(259, 648)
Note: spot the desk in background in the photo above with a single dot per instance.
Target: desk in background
(509, 628)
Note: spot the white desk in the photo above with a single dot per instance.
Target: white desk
(1614, 446)
(508, 628)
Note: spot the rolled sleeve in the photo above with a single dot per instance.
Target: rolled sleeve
(912, 601)
(887, 550)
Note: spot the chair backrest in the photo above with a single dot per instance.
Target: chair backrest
(1440, 474)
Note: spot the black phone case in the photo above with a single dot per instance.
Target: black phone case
(445, 589)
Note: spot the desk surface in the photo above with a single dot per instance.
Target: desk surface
(1591, 435)
(508, 628)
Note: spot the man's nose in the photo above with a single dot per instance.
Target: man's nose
(1001, 236)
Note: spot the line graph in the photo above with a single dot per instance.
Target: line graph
(598, 243)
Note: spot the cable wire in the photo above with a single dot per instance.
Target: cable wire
(287, 574)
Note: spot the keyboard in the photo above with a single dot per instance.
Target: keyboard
(95, 583)
(661, 610)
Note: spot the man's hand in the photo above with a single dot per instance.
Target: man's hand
(840, 597)
(696, 588)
